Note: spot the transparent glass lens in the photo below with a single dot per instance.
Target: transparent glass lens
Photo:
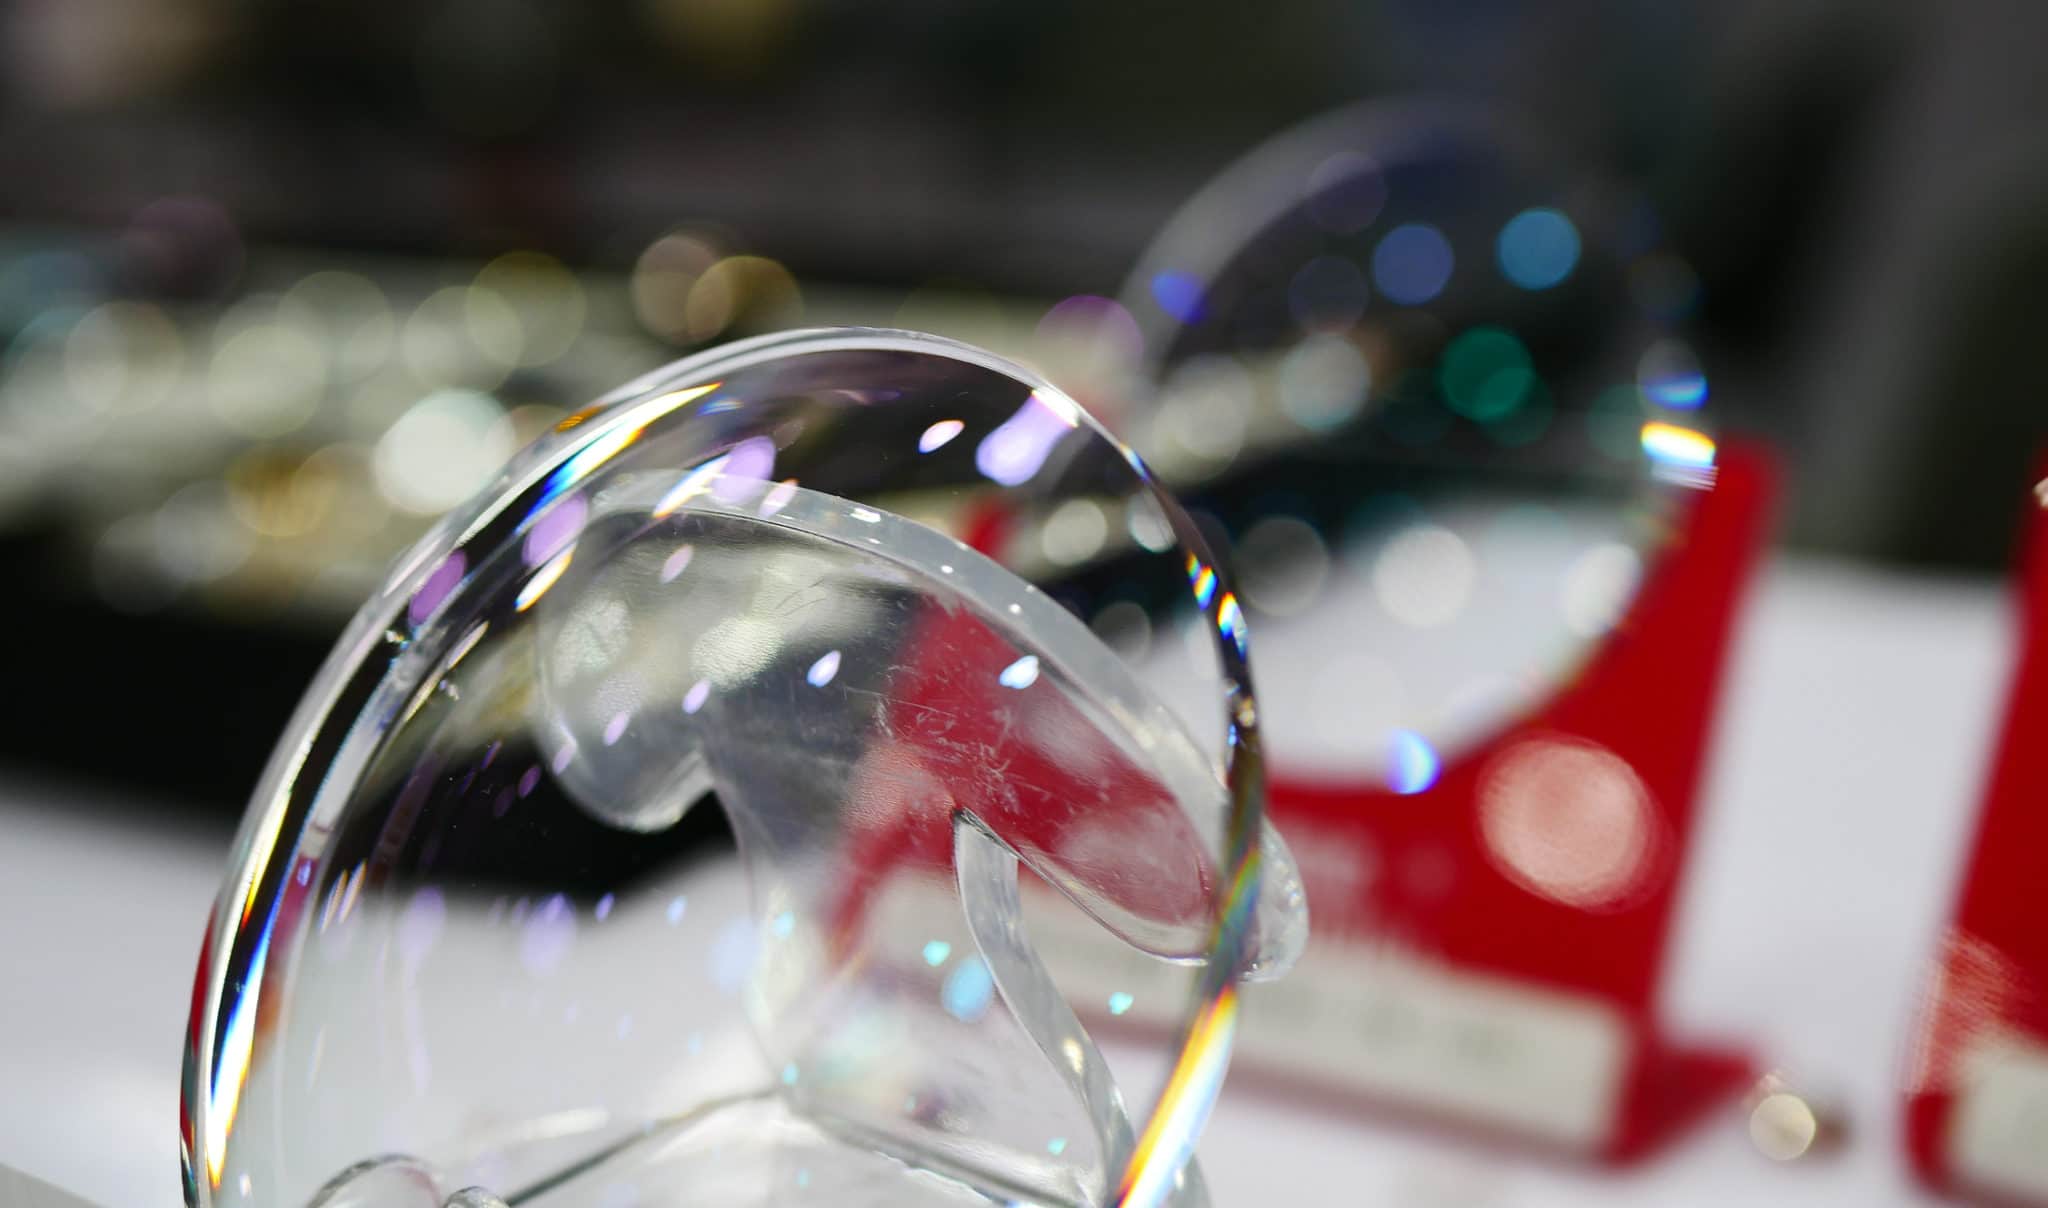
(1432, 383)
(735, 805)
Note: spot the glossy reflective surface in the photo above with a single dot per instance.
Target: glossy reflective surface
(1411, 359)
(735, 806)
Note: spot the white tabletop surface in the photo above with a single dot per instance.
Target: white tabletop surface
(1842, 787)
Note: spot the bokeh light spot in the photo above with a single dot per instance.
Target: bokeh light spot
(1485, 374)
(1412, 264)
(442, 451)
(1538, 248)
(1178, 294)
(1424, 576)
(1324, 382)
(1568, 820)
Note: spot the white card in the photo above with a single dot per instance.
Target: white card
(2001, 1116)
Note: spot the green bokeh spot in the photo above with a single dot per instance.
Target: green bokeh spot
(1485, 374)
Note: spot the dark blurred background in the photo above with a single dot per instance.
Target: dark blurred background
(281, 280)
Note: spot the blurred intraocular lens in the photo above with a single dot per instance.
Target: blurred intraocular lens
(1434, 383)
(677, 824)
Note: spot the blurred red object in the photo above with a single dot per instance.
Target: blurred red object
(1494, 957)
(1978, 1087)
(1491, 953)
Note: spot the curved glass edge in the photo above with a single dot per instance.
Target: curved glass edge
(1259, 189)
(1264, 185)
(283, 800)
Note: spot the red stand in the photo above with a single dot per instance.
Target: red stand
(1979, 1082)
(1487, 952)
(1547, 861)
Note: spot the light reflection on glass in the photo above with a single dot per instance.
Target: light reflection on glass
(1678, 446)
(693, 484)
(936, 436)
(1412, 766)
(615, 729)
(1157, 1166)
(1230, 621)
(556, 528)
(968, 990)
(1013, 452)
(587, 459)
(778, 497)
(1021, 674)
(1670, 376)
(1202, 579)
(747, 468)
(544, 578)
(694, 699)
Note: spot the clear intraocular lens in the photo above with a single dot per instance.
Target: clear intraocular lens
(1431, 383)
(695, 817)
